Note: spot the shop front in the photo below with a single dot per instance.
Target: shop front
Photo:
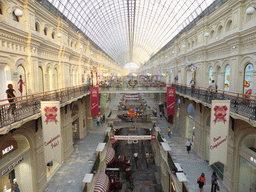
(15, 164)
(247, 164)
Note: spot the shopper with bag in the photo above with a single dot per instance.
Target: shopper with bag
(215, 182)
(201, 182)
(11, 94)
(188, 145)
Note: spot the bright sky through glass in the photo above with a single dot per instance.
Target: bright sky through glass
(131, 30)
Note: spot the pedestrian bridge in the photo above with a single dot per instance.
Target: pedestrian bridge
(141, 89)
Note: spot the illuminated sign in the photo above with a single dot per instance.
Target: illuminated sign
(10, 167)
(7, 150)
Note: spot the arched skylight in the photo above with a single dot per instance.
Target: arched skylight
(131, 30)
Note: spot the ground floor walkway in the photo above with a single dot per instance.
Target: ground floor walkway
(70, 175)
(192, 165)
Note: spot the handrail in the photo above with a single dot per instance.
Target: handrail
(220, 91)
(46, 93)
(241, 104)
(21, 109)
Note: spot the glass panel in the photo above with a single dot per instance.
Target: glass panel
(119, 28)
(248, 78)
(210, 75)
(227, 78)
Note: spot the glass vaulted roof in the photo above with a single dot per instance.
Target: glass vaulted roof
(131, 30)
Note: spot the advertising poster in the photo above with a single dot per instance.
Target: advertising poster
(171, 101)
(248, 77)
(219, 131)
(95, 101)
(51, 125)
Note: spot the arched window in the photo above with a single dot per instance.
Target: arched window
(53, 35)
(21, 88)
(1, 9)
(55, 79)
(211, 34)
(220, 30)
(40, 80)
(191, 110)
(210, 75)
(227, 78)
(229, 25)
(14, 17)
(37, 27)
(248, 78)
(46, 31)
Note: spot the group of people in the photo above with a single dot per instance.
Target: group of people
(214, 181)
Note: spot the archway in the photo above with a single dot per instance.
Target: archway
(16, 163)
(247, 164)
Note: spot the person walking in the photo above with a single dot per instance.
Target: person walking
(213, 86)
(11, 94)
(201, 182)
(169, 131)
(214, 182)
(136, 157)
(188, 145)
(98, 121)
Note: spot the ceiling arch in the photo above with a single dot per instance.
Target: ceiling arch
(121, 27)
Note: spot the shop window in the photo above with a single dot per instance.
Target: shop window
(37, 27)
(248, 78)
(208, 121)
(46, 31)
(191, 110)
(250, 142)
(227, 78)
(210, 75)
(229, 25)
(14, 17)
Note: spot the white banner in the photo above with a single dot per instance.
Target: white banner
(219, 131)
(51, 125)
(132, 137)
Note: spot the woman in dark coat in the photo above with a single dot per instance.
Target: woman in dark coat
(214, 182)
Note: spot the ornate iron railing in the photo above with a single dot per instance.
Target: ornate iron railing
(29, 105)
(137, 88)
(241, 104)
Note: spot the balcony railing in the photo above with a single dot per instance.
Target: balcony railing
(136, 88)
(29, 105)
(241, 104)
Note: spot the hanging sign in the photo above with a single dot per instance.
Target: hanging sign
(170, 101)
(94, 101)
(132, 137)
(51, 125)
(219, 131)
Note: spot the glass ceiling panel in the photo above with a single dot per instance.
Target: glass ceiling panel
(129, 30)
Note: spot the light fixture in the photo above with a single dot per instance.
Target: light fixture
(207, 34)
(173, 52)
(59, 35)
(18, 12)
(183, 46)
(250, 10)
(81, 47)
(91, 53)
(234, 47)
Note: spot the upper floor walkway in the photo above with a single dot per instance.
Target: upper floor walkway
(28, 107)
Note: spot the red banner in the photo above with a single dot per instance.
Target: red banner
(170, 101)
(95, 101)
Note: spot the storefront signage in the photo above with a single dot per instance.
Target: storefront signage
(219, 131)
(10, 167)
(171, 101)
(8, 147)
(95, 101)
(51, 130)
(132, 137)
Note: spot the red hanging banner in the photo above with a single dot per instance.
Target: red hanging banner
(170, 101)
(95, 101)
